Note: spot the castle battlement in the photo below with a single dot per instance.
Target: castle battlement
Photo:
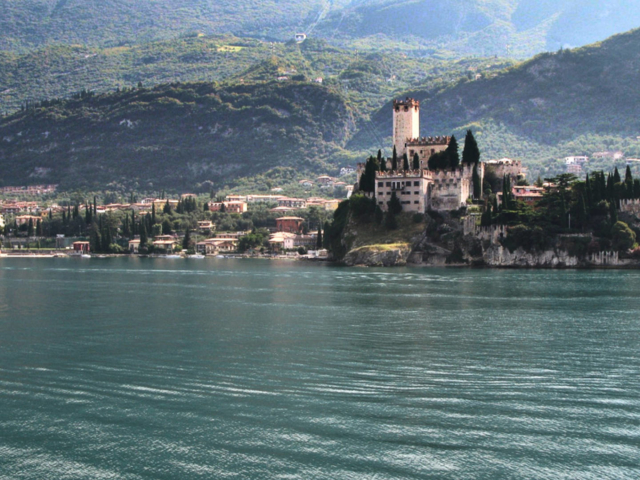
(428, 141)
(407, 102)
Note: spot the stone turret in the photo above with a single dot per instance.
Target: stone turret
(406, 123)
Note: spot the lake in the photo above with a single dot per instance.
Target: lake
(138, 368)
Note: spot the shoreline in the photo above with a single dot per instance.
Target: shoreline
(322, 260)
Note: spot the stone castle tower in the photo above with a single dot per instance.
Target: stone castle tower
(406, 123)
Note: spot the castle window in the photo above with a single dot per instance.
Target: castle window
(417, 193)
(416, 184)
(388, 184)
(416, 202)
(380, 184)
(380, 193)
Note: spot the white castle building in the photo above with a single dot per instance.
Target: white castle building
(422, 189)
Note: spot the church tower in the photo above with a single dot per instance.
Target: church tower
(406, 123)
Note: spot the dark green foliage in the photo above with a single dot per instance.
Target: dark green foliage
(394, 204)
(186, 241)
(362, 208)
(390, 220)
(405, 162)
(30, 230)
(416, 161)
(394, 160)
(487, 217)
(477, 185)
(255, 240)
(471, 152)
(166, 227)
(379, 215)
(452, 153)
(149, 136)
(623, 238)
(438, 161)
(319, 237)
(368, 177)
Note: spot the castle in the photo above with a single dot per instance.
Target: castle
(422, 189)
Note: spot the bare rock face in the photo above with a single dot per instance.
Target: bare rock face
(373, 256)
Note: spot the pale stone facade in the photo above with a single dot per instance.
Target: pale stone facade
(406, 123)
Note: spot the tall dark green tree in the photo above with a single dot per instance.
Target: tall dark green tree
(167, 209)
(144, 238)
(452, 153)
(30, 231)
(153, 213)
(416, 161)
(394, 160)
(477, 184)
(319, 237)
(471, 152)
(616, 176)
(395, 205)
(368, 177)
(405, 162)
(186, 241)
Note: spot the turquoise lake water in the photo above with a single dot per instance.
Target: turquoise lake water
(247, 369)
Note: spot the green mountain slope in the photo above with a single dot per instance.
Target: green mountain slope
(573, 102)
(174, 135)
(59, 71)
(461, 27)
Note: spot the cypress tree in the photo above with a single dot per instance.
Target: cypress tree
(486, 218)
(379, 156)
(405, 162)
(471, 152)
(416, 161)
(50, 215)
(394, 160)
(319, 236)
(167, 209)
(95, 206)
(588, 192)
(143, 234)
(394, 204)
(582, 212)
(64, 218)
(616, 176)
(30, 228)
(186, 241)
(477, 185)
(613, 212)
(636, 188)
(76, 211)
(153, 214)
(452, 153)
(87, 214)
(383, 165)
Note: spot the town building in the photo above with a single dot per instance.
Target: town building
(228, 207)
(527, 194)
(81, 247)
(289, 224)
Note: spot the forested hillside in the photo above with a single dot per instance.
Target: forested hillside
(457, 27)
(174, 135)
(571, 102)
(59, 71)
